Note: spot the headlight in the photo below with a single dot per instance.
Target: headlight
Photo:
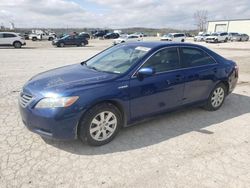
(56, 102)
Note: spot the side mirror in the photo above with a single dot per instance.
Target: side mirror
(145, 72)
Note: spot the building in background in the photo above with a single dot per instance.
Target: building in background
(236, 25)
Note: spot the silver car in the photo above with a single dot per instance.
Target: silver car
(244, 37)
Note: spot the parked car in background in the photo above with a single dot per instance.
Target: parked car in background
(139, 34)
(41, 36)
(201, 37)
(11, 39)
(25, 36)
(85, 35)
(244, 37)
(233, 36)
(129, 38)
(94, 99)
(189, 35)
(70, 40)
(111, 36)
(174, 37)
(100, 33)
(217, 37)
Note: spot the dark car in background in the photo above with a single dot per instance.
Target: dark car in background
(85, 35)
(111, 36)
(70, 40)
(100, 33)
(123, 84)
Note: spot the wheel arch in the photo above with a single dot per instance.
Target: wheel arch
(16, 42)
(226, 84)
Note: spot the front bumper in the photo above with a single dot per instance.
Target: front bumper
(211, 40)
(51, 123)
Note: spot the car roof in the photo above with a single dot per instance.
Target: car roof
(160, 44)
(8, 32)
(176, 33)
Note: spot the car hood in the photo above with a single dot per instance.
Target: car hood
(166, 37)
(65, 78)
(199, 37)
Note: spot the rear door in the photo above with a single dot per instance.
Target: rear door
(200, 74)
(161, 91)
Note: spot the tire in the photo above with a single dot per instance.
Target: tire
(93, 124)
(216, 41)
(216, 97)
(17, 44)
(182, 40)
(82, 44)
(34, 39)
(226, 40)
(50, 39)
(61, 45)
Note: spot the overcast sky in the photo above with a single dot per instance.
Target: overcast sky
(117, 13)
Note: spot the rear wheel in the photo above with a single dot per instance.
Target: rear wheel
(100, 124)
(17, 45)
(182, 40)
(34, 38)
(216, 97)
(226, 40)
(82, 44)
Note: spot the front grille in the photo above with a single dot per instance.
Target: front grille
(25, 99)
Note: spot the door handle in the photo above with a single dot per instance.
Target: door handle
(179, 77)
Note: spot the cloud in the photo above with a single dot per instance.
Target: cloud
(117, 13)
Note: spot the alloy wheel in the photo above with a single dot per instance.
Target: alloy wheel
(103, 126)
(217, 97)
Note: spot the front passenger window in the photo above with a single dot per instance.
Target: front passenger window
(164, 60)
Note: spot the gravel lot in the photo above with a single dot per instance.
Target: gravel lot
(188, 148)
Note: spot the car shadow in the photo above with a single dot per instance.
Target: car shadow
(162, 128)
(12, 48)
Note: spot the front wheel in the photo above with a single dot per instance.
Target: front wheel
(216, 97)
(61, 45)
(17, 45)
(100, 124)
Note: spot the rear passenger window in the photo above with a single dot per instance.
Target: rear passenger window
(193, 57)
(8, 35)
(164, 60)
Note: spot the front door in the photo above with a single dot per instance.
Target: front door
(161, 91)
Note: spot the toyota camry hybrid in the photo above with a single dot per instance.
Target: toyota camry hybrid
(94, 99)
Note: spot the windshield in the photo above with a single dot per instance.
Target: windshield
(66, 36)
(169, 35)
(117, 59)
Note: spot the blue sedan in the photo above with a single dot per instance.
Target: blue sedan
(123, 84)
